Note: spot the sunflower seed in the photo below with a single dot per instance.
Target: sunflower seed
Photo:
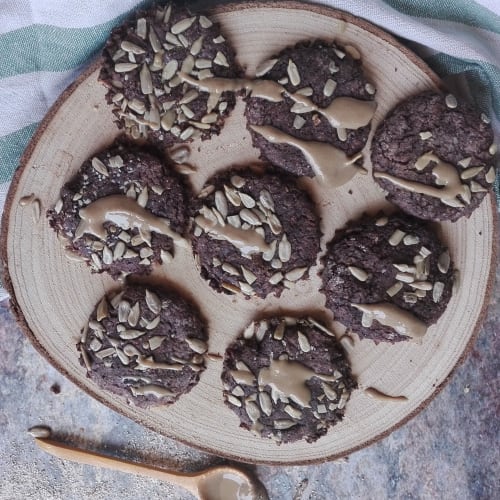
(490, 175)
(145, 252)
(269, 254)
(143, 197)
(437, 291)
(293, 73)
(96, 261)
(410, 239)
(264, 67)
(329, 87)
(131, 334)
(367, 320)
(107, 256)
(233, 400)
(197, 345)
(342, 134)
(221, 60)
(425, 135)
(284, 249)
(451, 101)
(125, 67)
(410, 298)
(230, 269)
(405, 277)
(493, 149)
(396, 237)
(261, 330)
(266, 199)
(131, 47)
(153, 302)
(307, 91)
(283, 424)
(394, 289)
(153, 324)
(358, 273)
(265, 403)
(116, 56)
(187, 133)
(470, 172)
(169, 70)
(304, 344)
(221, 203)
(134, 314)
(105, 353)
(444, 262)
(298, 122)
(205, 22)
(421, 285)
(219, 39)
(248, 275)
(382, 221)
(99, 166)
(405, 268)
(253, 411)
(246, 288)
(249, 216)
(295, 274)
(182, 25)
(274, 224)
(277, 264)
(466, 193)
(154, 41)
(196, 47)
(218, 217)
(188, 64)
(475, 187)
(424, 252)
(370, 88)
(95, 344)
(187, 111)
(329, 392)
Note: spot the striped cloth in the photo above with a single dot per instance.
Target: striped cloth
(46, 43)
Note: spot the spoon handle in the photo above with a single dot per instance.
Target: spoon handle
(187, 481)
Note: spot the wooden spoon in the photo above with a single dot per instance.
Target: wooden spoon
(215, 483)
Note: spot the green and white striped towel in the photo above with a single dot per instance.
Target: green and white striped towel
(45, 44)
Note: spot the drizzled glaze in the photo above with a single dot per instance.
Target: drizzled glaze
(248, 241)
(446, 176)
(393, 316)
(330, 164)
(287, 379)
(125, 213)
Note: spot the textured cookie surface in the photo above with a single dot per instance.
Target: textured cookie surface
(254, 233)
(316, 74)
(434, 156)
(101, 213)
(144, 344)
(287, 379)
(387, 278)
(142, 61)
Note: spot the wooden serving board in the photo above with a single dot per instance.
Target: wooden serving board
(53, 296)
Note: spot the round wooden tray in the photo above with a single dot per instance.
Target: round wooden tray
(53, 296)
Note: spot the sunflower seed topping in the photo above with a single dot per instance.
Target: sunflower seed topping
(293, 73)
(437, 291)
(197, 345)
(221, 60)
(493, 149)
(370, 88)
(284, 249)
(451, 101)
(410, 239)
(475, 187)
(125, 67)
(264, 67)
(219, 39)
(295, 274)
(425, 135)
(248, 275)
(233, 400)
(283, 424)
(182, 25)
(153, 302)
(359, 274)
(99, 166)
(382, 221)
(405, 277)
(485, 118)
(470, 172)
(329, 87)
(304, 344)
(490, 175)
(396, 237)
(394, 289)
(205, 22)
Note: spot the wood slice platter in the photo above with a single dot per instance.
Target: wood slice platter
(53, 296)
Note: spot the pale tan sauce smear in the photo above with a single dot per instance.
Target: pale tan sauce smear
(248, 241)
(331, 165)
(226, 485)
(393, 316)
(342, 112)
(446, 175)
(287, 379)
(125, 213)
(381, 396)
